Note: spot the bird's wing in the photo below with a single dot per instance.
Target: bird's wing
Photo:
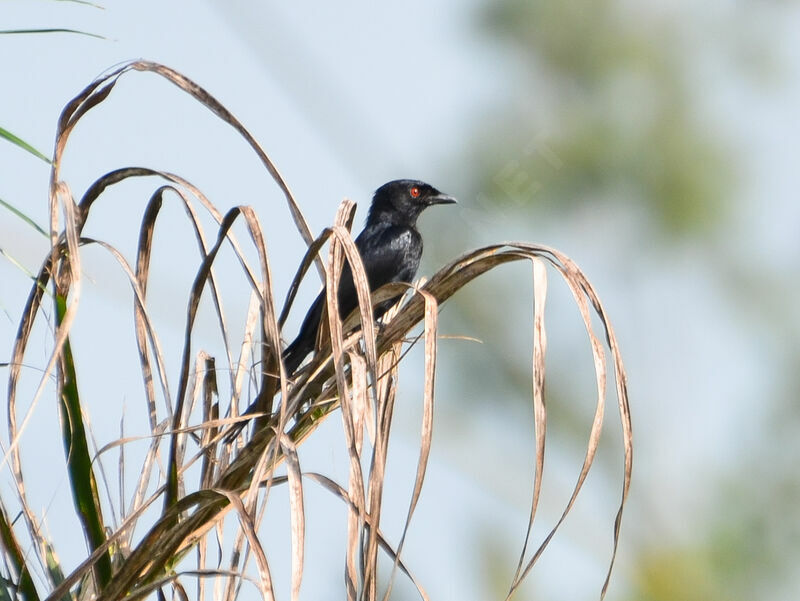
(389, 254)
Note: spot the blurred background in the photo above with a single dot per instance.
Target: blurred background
(654, 144)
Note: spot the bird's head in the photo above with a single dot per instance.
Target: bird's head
(401, 201)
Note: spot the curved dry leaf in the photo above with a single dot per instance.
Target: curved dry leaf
(426, 436)
(297, 512)
(265, 584)
(341, 493)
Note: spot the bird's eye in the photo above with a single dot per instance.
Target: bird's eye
(414, 192)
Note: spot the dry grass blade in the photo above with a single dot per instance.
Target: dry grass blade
(246, 521)
(297, 512)
(59, 197)
(431, 329)
(363, 292)
(539, 409)
(583, 293)
(621, 381)
(23, 333)
(241, 370)
(210, 416)
(98, 91)
(271, 346)
(341, 493)
(139, 501)
(339, 249)
(353, 411)
(183, 382)
(356, 517)
(142, 271)
(144, 327)
(359, 405)
(386, 392)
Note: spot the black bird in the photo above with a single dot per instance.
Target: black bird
(390, 248)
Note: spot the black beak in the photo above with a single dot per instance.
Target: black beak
(441, 199)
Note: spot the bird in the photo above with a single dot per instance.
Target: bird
(390, 248)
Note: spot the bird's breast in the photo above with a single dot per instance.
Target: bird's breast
(391, 253)
(407, 248)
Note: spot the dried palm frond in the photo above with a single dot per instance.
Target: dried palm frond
(354, 369)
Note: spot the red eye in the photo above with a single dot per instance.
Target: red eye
(414, 192)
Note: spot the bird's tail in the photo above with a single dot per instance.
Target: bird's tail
(294, 354)
(298, 350)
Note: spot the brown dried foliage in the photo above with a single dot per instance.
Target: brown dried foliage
(353, 370)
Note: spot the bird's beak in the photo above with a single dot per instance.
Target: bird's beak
(441, 199)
